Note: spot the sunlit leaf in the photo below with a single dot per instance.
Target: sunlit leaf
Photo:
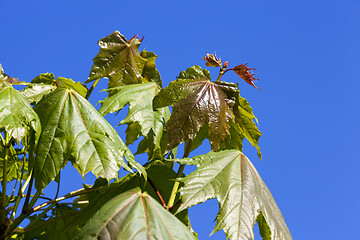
(119, 60)
(196, 101)
(150, 73)
(139, 97)
(230, 177)
(133, 215)
(245, 119)
(74, 130)
(264, 228)
(212, 60)
(246, 74)
(16, 114)
(35, 91)
(70, 84)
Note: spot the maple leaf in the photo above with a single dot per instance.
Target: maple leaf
(243, 196)
(246, 74)
(196, 102)
(119, 60)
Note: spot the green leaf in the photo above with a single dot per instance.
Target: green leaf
(119, 60)
(139, 97)
(245, 117)
(155, 141)
(150, 73)
(230, 177)
(264, 228)
(14, 165)
(74, 130)
(196, 101)
(35, 91)
(16, 114)
(133, 215)
(70, 84)
(49, 79)
(44, 78)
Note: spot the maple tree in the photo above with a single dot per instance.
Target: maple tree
(152, 201)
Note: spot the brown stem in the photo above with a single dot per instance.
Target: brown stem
(157, 192)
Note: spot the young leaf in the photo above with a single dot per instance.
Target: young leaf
(74, 130)
(139, 97)
(133, 215)
(212, 60)
(119, 60)
(230, 177)
(246, 74)
(196, 101)
(16, 114)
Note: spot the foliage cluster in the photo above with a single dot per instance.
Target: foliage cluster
(50, 122)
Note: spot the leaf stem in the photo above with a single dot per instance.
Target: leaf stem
(91, 89)
(69, 195)
(20, 191)
(157, 192)
(179, 172)
(4, 182)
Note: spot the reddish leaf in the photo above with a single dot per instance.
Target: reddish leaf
(246, 74)
(212, 60)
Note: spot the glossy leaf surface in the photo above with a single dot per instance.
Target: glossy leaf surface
(230, 177)
(246, 127)
(16, 114)
(139, 97)
(35, 91)
(196, 101)
(119, 60)
(74, 130)
(133, 215)
(49, 79)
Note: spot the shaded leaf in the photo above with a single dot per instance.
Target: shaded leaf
(16, 114)
(119, 60)
(140, 117)
(14, 164)
(133, 215)
(196, 101)
(150, 73)
(74, 130)
(51, 228)
(154, 143)
(230, 177)
(246, 74)
(212, 60)
(44, 78)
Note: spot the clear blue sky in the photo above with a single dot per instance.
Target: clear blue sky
(306, 54)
